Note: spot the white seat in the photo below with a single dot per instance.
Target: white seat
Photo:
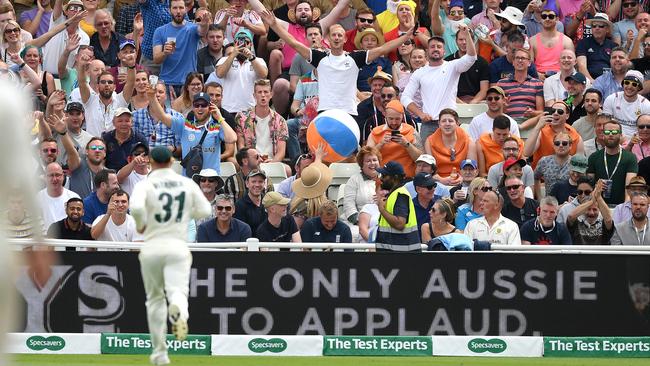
(341, 172)
(465, 126)
(274, 171)
(176, 166)
(468, 111)
(339, 197)
(227, 169)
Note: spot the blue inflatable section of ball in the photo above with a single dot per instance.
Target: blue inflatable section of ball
(340, 138)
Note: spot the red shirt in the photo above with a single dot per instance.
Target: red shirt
(349, 43)
(394, 34)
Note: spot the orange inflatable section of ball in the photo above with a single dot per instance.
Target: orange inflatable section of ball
(314, 139)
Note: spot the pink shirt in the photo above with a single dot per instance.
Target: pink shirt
(298, 32)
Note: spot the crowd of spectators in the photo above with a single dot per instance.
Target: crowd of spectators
(559, 153)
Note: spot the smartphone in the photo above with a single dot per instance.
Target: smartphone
(548, 110)
(153, 80)
(415, 29)
(395, 133)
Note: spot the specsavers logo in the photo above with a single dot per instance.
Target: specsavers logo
(480, 345)
(273, 345)
(38, 343)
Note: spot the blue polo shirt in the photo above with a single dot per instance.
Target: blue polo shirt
(116, 153)
(207, 232)
(183, 61)
(464, 214)
(250, 213)
(313, 231)
(93, 208)
(189, 134)
(597, 54)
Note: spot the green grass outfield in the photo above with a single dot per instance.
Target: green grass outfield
(124, 360)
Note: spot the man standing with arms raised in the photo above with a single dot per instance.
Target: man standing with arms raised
(162, 207)
(436, 82)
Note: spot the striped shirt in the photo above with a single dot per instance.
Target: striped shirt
(155, 13)
(521, 96)
(157, 134)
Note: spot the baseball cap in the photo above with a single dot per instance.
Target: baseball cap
(121, 111)
(274, 198)
(424, 180)
(201, 96)
(471, 162)
(578, 163)
(391, 168)
(74, 106)
(140, 144)
(255, 172)
(127, 42)
(512, 161)
(429, 159)
(578, 77)
(497, 89)
(160, 154)
(456, 3)
(637, 182)
(244, 33)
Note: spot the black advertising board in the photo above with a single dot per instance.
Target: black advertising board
(354, 294)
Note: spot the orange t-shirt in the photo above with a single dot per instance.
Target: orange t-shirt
(546, 142)
(492, 152)
(443, 154)
(393, 151)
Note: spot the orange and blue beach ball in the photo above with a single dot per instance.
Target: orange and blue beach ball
(337, 131)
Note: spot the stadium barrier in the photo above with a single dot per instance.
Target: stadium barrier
(279, 345)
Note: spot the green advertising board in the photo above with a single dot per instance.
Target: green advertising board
(136, 344)
(377, 346)
(596, 346)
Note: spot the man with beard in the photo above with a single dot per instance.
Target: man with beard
(81, 179)
(398, 228)
(566, 189)
(623, 211)
(371, 111)
(614, 164)
(586, 125)
(71, 228)
(236, 17)
(175, 45)
(473, 83)
(544, 230)
(96, 203)
(365, 19)
(591, 222)
(208, 56)
(496, 100)
(74, 119)
(519, 208)
(612, 82)
(207, 122)
(634, 231)
(494, 45)
(510, 149)
(437, 83)
(584, 188)
(627, 105)
(116, 224)
(337, 70)
(248, 159)
(624, 28)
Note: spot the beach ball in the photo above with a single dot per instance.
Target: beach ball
(337, 131)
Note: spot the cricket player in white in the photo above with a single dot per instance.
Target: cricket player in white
(162, 205)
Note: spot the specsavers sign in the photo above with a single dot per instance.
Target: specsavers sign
(487, 346)
(138, 344)
(63, 343)
(243, 345)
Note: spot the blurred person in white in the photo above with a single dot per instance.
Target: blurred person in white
(162, 207)
(54, 196)
(136, 169)
(116, 224)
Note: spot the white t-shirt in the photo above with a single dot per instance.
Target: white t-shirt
(124, 232)
(54, 48)
(238, 83)
(99, 118)
(372, 210)
(263, 145)
(53, 208)
(483, 123)
(496, 172)
(438, 85)
(131, 181)
(504, 231)
(232, 28)
(337, 79)
(625, 112)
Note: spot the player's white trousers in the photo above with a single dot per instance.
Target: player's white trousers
(165, 267)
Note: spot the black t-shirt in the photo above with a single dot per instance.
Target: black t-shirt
(469, 82)
(520, 215)
(577, 111)
(248, 212)
(61, 230)
(313, 231)
(280, 13)
(641, 64)
(562, 190)
(269, 233)
(531, 232)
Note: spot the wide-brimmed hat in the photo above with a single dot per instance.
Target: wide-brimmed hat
(208, 173)
(380, 74)
(366, 32)
(73, 2)
(511, 14)
(599, 17)
(637, 182)
(313, 182)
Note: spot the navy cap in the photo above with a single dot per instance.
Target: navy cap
(74, 106)
(424, 180)
(127, 42)
(142, 145)
(160, 154)
(391, 168)
(202, 96)
(467, 162)
(578, 77)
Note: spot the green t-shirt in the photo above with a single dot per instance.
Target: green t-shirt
(69, 82)
(628, 164)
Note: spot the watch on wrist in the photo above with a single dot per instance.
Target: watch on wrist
(63, 133)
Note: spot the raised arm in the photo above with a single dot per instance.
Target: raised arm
(40, 41)
(304, 51)
(129, 86)
(260, 9)
(333, 16)
(156, 110)
(32, 25)
(84, 88)
(436, 22)
(57, 9)
(387, 47)
(60, 126)
(229, 135)
(71, 45)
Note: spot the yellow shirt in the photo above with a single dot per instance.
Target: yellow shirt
(87, 27)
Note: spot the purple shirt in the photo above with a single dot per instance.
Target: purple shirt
(43, 27)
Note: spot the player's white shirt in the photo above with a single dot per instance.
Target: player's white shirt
(165, 202)
(124, 232)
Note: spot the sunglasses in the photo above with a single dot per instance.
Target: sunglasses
(643, 127)
(224, 208)
(598, 26)
(586, 192)
(210, 180)
(510, 149)
(14, 30)
(513, 187)
(51, 151)
(96, 148)
(563, 143)
(75, 8)
(457, 12)
(365, 20)
(631, 82)
(200, 105)
(550, 16)
(452, 155)
(408, 42)
(521, 58)
(629, 5)
(611, 132)
(558, 111)
(387, 96)
(486, 189)
(493, 99)
(646, 44)
(109, 82)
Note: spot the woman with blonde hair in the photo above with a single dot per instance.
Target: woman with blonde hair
(442, 217)
(469, 211)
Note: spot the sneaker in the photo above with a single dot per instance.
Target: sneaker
(179, 325)
(159, 359)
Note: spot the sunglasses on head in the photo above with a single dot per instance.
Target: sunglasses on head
(494, 98)
(611, 132)
(365, 20)
(210, 180)
(200, 105)
(563, 143)
(631, 82)
(586, 192)
(513, 187)
(51, 150)
(550, 16)
(224, 208)
(96, 148)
